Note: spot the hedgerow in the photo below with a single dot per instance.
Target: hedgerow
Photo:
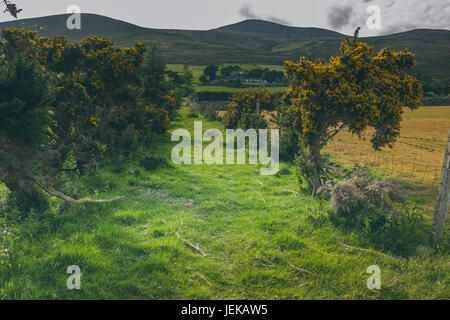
(81, 102)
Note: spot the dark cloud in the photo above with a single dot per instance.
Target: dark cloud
(339, 16)
(247, 12)
(390, 4)
(278, 20)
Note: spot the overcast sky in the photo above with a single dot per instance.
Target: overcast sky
(340, 15)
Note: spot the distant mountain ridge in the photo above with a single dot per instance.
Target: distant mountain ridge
(255, 26)
(249, 41)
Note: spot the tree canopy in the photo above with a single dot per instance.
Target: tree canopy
(242, 111)
(353, 91)
(102, 100)
(210, 72)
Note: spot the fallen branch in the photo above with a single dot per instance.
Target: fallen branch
(203, 278)
(70, 200)
(303, 284)
(293, 192)
(186, 242)
(369, 251)
(297, 268)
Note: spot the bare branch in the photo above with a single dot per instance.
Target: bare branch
(370, 251)
(297, 268)
(59, 194)
(334, 132)
(186, 242)
(293, 192)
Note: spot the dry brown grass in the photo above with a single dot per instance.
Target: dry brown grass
(418, 155)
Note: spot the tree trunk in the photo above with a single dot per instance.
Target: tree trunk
(26, 194)
(316, 161)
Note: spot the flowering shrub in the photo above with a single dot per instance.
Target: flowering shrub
(96, 100)
(353, 91)
(242, 111)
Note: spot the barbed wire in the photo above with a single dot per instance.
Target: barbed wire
(420, 147)
(389, 166)
(425, 139)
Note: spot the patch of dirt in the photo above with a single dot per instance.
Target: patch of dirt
(162, 196)
(154, 192)
(190, 204)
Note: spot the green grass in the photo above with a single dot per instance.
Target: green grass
(228, 89)
(197, 71)
(256, 236)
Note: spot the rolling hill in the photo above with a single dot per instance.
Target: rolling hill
(249, 41)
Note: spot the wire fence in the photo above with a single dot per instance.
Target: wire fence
(417, 171)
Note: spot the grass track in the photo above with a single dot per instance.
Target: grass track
(256, 235)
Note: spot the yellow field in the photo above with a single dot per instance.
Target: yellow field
(417, 156)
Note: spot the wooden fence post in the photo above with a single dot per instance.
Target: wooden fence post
(441, 211)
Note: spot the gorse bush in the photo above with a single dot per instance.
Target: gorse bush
(353, 91)
(251, 121)
(210, 113)
(24, 120)
(242, 111)
(63, 102)
(289, 142)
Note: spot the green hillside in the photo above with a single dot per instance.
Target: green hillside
(250, 41)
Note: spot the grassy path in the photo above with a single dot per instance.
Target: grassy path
(261, 241)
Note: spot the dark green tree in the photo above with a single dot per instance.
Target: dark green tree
(153, 74)
(24, 120)
(210, 72)
(228, 71)
(187, 75)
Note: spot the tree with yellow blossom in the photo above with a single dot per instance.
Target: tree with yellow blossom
(353, 92)
(99, 104)
(242, 111)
